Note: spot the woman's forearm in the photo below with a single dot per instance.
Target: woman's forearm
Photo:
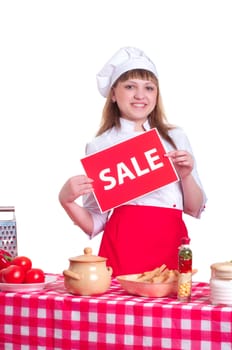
(193, 196)
(80, 216)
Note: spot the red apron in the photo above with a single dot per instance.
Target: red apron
(140, 238)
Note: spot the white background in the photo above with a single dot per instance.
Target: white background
(50, 107)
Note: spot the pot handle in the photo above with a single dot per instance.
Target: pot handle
(71, 274)
(110, 270)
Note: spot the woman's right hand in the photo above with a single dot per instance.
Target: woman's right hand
(75, 187)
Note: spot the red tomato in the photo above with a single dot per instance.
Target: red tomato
(1, 275)
(34, 276)
(13, 274)
(5, 258)
(22, 261)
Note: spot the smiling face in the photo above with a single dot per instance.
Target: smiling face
(136, 98)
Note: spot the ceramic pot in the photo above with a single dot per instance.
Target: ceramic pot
(87, 274)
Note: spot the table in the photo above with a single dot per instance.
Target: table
(52, 319)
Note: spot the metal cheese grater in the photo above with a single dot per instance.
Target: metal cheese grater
(8, 231)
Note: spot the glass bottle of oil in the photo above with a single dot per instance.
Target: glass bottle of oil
(185, 271)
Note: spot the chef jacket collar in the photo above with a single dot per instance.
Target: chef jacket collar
(128, 125)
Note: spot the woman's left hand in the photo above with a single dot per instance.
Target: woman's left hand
(183, 162)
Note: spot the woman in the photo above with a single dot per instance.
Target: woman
(147, 231)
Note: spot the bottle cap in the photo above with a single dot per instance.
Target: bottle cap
(185, 240)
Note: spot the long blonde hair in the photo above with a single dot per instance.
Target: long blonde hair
(157, 118)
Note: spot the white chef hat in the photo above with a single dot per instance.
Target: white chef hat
(125, 59)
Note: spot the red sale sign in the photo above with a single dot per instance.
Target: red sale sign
(129, 169)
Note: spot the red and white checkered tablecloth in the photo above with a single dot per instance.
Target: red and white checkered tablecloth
(52, 319)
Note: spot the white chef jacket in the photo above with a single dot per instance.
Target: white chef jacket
(169, 196)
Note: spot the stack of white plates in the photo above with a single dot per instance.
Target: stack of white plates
(221, 283)
(221, 292)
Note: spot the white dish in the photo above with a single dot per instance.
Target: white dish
(27, 287)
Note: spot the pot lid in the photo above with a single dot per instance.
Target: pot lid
(88, 257)
(222, 270)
